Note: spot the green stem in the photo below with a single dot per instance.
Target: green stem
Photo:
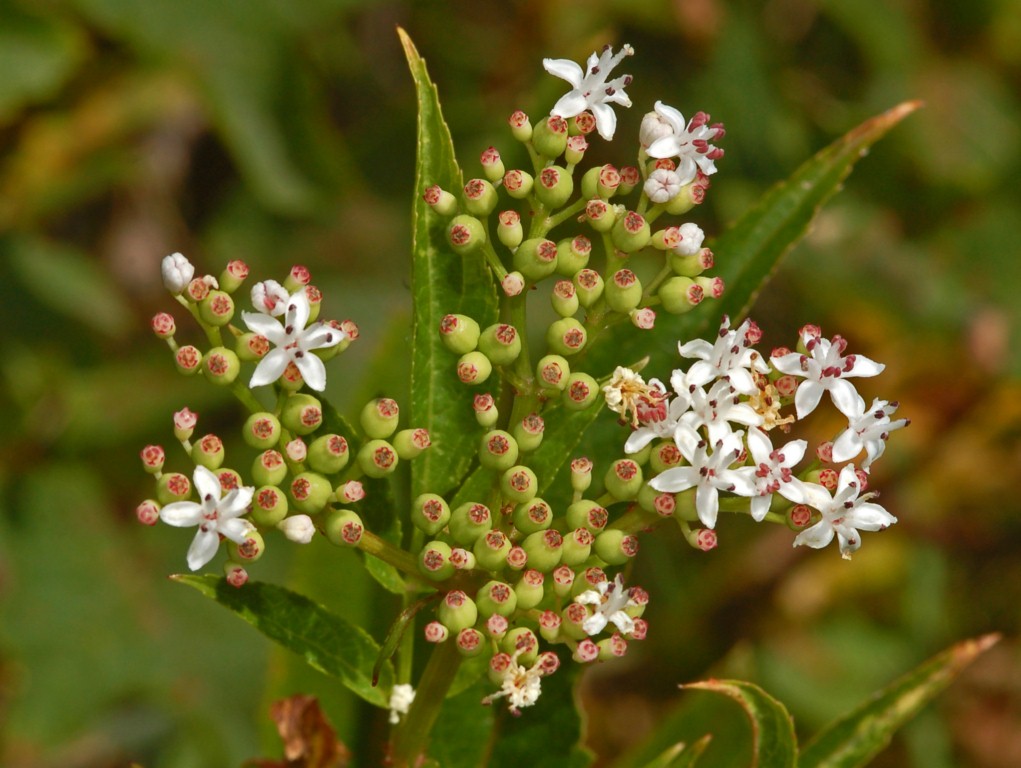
(576, 207)
(373, 545)
(244, 394)
(412, 737)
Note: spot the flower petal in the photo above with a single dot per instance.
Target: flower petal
(675, 479)
(313, 371)
(807, 397)
(270, 368)
(707, 503)
(816, 537)
(570, 104)
(264, 325)
(565, 69)
(845, 397)
(203, 549)
(236, 530)
(207, 484)
(181, 514)
(606, 118)
(638, 439)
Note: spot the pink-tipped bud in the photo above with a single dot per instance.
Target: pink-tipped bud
(825, 452)
(640, 630)
(148, 512)
(436, 632)
(235, 273)
(520, 125)
(197, 289)
(513, 284)
(644, 318)
(586, 652)
(296, 450)
(351, 491)
(630, 177)
(163, 325)
(492, 164)
(517, 558)
(236, 575)
(575, 152)
(703, 538)
(584, 123)
(188, 360)
(799, 516)
(298, 276)
(153, 458)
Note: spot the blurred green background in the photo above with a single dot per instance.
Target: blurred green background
(282, 132)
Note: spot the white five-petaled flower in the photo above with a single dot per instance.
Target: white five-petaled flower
(401, 696)
(610, 599)
(716, 409)
(177, 272)
(687, 142)
(843, 514)
(869, 430)
(824, 369)
(270, 298)
(730, 357)
(662, 185)
(294, 343)
(771, 472)
(214, 516)
(590, 89)
(658, 418)
(707, 473)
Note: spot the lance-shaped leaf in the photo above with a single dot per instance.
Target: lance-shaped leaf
(327, 642)
(442, 283)
(855, 739)
(680, 755)
(774, 744)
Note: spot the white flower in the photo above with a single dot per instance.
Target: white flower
(662, 185)
(522, 685)
(626, 391)
(214, 516)
(730, 357)
(610, 599)
(844, 514)
(654, 126)
(269, 297)
(293, 343)
(401, 696)
(177, 272)
(657, 419)
(689, 143)
(298, 528)
(824, 369)
(869, 430)
(708, 473)
(691, 239)
(717, 408)
(590, 89)
(771, 472)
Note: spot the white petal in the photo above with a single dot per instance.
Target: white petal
(812, 494)
(675, 479)
(570, 104)
(322, 336)
(203, 549)
(236, 502)
(807, 397)
(606, 119)
(638, 439)
(845, 397)
(594, 624)
(864, 366)
(871, 517)
(565, 69)
(264, 325)
(701, 373)
(817, 537)
(298, 316)
(760, 445)
(313, 371)
(181, 514)
(236, 530)
(667, 146)
(270, 368)
(707, 503)
(671, 115)
(623, 622)
(699, 348)
(740, 482)
(847, 445)
(794, 452)
(789, 364)
(760, 506)
(207, 484)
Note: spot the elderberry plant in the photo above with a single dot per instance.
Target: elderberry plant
(516, 561)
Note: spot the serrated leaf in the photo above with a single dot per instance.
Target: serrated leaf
(680, 755)
(774, 744)
(442, 283)
(855, 739)
(326, 641)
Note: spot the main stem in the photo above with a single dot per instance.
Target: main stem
(412, 737)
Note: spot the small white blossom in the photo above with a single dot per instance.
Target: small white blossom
(868, 430)
(214, 516)
(843, 514)
(521, 685)
(590, 89)
(269, 297)
(825, 369)
(771, 472)
(294, 343)
(656, 419)
(401, 696)
(177, 272)
(717, 408)
(298, 528)
(654, 127)
(662, 185)
(691, 239)
(730, 357)
(626, 392)
(610, 599)
(687, 142)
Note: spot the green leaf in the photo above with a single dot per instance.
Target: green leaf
(327, 642)
(855, 739)
(442, 283)
(681, 755)
(774, 744)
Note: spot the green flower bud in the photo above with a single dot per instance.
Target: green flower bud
(534, 516)
(310, 492)
(261, 430)
(496, 597)
(469, 521)
(269, 468)
(518, 184)
(520, 125)
(470, 642)
(528, 432)
(631, 232)
(479, 197)
(581, 392)
(529, 589)
(564, 298)
(508, 229)
(573, 254)
(680, 295)
(624, 479)
(615, 547)
(563, 581)
(612, 647)
(302, 414)
(581, 474)
(377, 458)
(690, 195)
(315, 302)
(575, 152)
(269, 506)
(457, 611)
(501, 343)
(664, 456)
(572, 618)
(434, 561)
(208, 452)
(343, 527)
(523, 641)
(498, 450)
(492, 164)
(379, 417)
(430, 513)
(552, 372)
(235, 273)
(466, 234)
(577, 546)
(691, 265)
(566, 336)
(588, 579)
(623, 292)
(409, 443)
(250, 550)
(298, 277)
(251, 347)
(474, 368)
(589, 286)
(491, 550)
(441, 201)
(630, 178)
(220, 365)
(601, 215)
(153, 457)
(486, 412)
(459, 333)
(712, 287)
(549, 137)
(549, 626)
(590, 182)
(217, 309)
(171, 487)
(641, 456)
(553, 186)
(519, 484)
(536, 258)
(328, 454)
(586, 513)
(544, 549)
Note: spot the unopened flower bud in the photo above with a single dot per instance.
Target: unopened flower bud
(530, 589)
(153, 457)
(409, 443)
(497, 626)
(589, 286)
(612, 647)
(798, 517)
(177, 272)
(296, 450)
(462, 559)
(586, 513)
(459, 333)
(163, 325)
(581, 474)
(566, 336)
(575, 152)
(490, 550)
(298, 277)
(664, 456)
(188, 360)
(501, 343)
(328, 454)
(549, 137)
(269, 297)
(528, 432)
(577, 546)
(221, 366)
(196, 290)
(544, 549)
(623, 291)
(377, 458)
(441, 201)
(171, 487)
(680, 295)
(519, 484)
(630, 177)
(536, 258)
(553, 186)
(251, 347)
(479, 197)
(563, 581)
(208, 452)
(581, 392)
(249, 550)
(148, 512)
(512, 284)
(457, 611)
(298, 528)
(492, 164)
(624, 479)
(654, 127)
(468, 522)
(434, 561)
(310, 492)
(474, 368)
(564, 298)
(350, 492)
(269, 505)
(533, 516)
(302, 414)
(631, 232)
(466, 234)
(615, 547)
(343, 527)
(217, 308)
(508, 228)
(702, 538)
(520, 125)
(261, 430)
(235, 273)
(712, 287)
(379, 417)
(572, 255)
(498, 450)
(269, 468)
(662, 186)
(518, 184)
(470, 642)
(235, 574)
(430, 513)
(644, 319)
(496, 598)
(486, 412)
(552, 372)
(517, 558)
(549, 626)
(600, 215)
(581, 124)
(522, 643)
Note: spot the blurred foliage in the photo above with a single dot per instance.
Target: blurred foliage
(283, 132)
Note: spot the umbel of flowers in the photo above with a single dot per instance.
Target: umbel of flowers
(513, 577)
